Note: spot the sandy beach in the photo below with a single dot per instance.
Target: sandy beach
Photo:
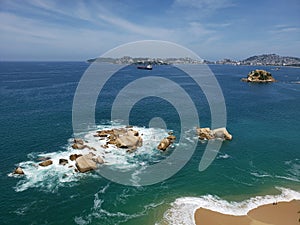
(282, 213)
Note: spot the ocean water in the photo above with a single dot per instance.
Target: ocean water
(260, 165)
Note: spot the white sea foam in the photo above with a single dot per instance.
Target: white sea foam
(294, 170)
(291, 178)
(260, 175)
(223, 156)
(52, 177)
(292, 173)
(183, 209)
(98, 211)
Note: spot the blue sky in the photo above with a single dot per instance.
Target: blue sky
(214, 29)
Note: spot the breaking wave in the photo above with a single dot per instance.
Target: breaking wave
(183, 209)
(52, 177)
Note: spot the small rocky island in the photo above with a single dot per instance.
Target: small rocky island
(88, 154)
(208, 134)
(90, 157)
(259, 76)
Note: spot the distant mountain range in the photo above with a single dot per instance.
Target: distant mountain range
(257, 60)
(267, 59)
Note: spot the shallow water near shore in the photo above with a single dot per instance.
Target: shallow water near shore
(263, 159)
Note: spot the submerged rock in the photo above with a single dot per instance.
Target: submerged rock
(99, 160)
(208, 134)
(259, 76)
(43, 158)
(19, 171)
(46, 163)
(78, 141)
(63, 162)
(78, 146)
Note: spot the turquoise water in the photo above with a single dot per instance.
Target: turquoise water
(36, 118)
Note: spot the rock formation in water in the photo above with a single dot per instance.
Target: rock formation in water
(166, 142)
(46, 163)
(259, 76)
(122, 138)
(88, 162)
(63, 162)
(74, 156)
(82, 159)
(19, 171)
(208, 134)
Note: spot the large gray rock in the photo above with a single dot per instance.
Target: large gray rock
(86, 163)
(129, 141)
(122, 138)
(208, 134)
(222, 133)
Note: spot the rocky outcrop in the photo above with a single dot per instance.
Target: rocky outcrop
(208, 134)
(129, 141)
(222, 133)
(205, 133)
(19, 171)
(134, 132)
(88, 162)
(104, 133)
(78, 141)
(85, 163)
(74, 156)
(166, 142)
(259, 76)
(46, 163)
(122, 138)
(79, 144)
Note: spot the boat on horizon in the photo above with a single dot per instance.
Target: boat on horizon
(148, 67)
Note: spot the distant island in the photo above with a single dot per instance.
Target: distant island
(259, 76)
(257, 60)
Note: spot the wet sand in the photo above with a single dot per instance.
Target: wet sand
(282, 213)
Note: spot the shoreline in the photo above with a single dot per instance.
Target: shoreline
(195, 210)
(277, 213)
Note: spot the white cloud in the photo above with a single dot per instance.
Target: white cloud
(125, 25)
(46, 28)
(24, 27)
(281, 29)
(205, 5)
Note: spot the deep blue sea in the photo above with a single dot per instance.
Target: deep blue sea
(260, 165)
